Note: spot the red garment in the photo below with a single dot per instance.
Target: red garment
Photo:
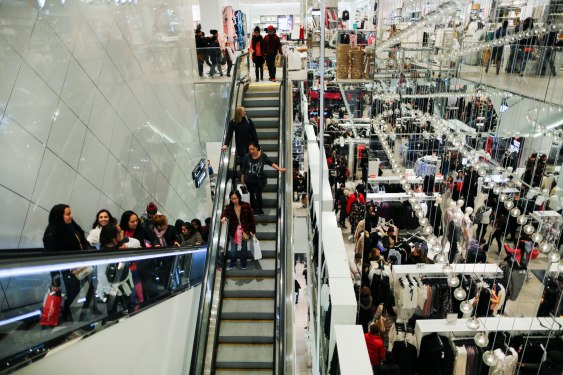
(246, 218)
(352, 198)
(376, 349)
(302, 32)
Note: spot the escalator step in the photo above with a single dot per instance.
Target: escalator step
(249, 287)
(242, 371)
(266, 122)
(266, 236)
(265, 267)
(245, 356)
(267, 134)
(248, 308)
(261, 101)
(265, 219)
(269, 147)
(247, 331)
(262, 112)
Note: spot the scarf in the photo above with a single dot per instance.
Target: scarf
(238, 235)
(160, 236)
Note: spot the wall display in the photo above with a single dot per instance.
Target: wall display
(199, 173)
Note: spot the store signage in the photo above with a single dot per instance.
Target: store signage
(199, 172)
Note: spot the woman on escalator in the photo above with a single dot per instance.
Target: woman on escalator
(253, 175)
(64, 234)
(241, 226)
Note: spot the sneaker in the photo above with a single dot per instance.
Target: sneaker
(260, 212)
(243, 267)
(231, 267)
(273, 79)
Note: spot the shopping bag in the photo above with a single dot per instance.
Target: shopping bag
(82, 272)
(244, 194)
(51, 309)
(279, 61)
(255, 248)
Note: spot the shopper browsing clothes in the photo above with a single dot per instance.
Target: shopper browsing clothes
(257, 51)
(273, 47)
(241, 226)
(253, 175)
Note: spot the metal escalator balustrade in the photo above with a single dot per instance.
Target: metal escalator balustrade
(25, 280)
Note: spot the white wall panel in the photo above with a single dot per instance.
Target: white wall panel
(98, 109)
(20, 158)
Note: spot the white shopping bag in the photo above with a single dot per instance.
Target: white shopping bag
(244, 194)
(255, 248)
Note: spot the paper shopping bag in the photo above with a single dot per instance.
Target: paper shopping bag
(51, 309)
(255, 248)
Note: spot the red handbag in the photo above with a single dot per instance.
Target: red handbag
(51, 309)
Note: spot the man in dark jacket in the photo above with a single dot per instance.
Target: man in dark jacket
(273, 47)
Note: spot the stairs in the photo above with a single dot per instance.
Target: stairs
(247, 316)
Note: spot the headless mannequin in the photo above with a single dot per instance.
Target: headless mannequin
(435, 216)
(455, 236)
(467, 226)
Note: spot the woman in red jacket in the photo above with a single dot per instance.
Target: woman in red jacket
(241, 224)
(376, 348)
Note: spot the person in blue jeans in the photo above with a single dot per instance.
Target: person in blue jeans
(241, 223)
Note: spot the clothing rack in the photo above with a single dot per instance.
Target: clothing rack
(493, 324)
(488, 270)
(399, 197)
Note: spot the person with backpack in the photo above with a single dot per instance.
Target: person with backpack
(245, 134)
(121, 285)
(482, 218)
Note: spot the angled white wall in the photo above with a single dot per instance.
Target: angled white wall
(98, 109)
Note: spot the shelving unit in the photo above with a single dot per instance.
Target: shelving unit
(555, 11)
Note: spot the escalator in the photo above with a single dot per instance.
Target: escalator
(247, 312)
(169, 330)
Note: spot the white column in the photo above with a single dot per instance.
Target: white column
(211, 15)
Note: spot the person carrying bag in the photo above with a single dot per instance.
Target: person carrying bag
(241, 226)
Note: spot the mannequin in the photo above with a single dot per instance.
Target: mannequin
(467, 227)
(435, 216)
(455, 236)
(447, 219)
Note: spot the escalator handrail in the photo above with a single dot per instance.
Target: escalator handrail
(43, 262)
(281, 284)
(206, 300)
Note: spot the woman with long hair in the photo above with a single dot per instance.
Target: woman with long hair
(241, 224)
(64, 234)
(103, 218)
(133, 228)
(253, 175)
(245, 133)
(258, 53)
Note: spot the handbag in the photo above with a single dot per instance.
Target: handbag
(255, 248)
(244, 194)
(223, 60)
(245, 236)
(51, 309)
(82, 272)
(279, 61)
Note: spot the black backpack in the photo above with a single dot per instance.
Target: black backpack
(117, 272)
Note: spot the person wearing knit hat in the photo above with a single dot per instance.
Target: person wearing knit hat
(147, 216)
(272, 48)
(256, 49)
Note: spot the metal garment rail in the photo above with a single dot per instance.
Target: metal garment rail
(197, 365)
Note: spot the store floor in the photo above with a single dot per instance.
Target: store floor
(302, 359)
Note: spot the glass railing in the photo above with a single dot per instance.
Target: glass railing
(50, 299)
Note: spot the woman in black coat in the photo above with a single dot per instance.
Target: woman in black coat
(64, 234)
(245, 133)
(133, 228)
